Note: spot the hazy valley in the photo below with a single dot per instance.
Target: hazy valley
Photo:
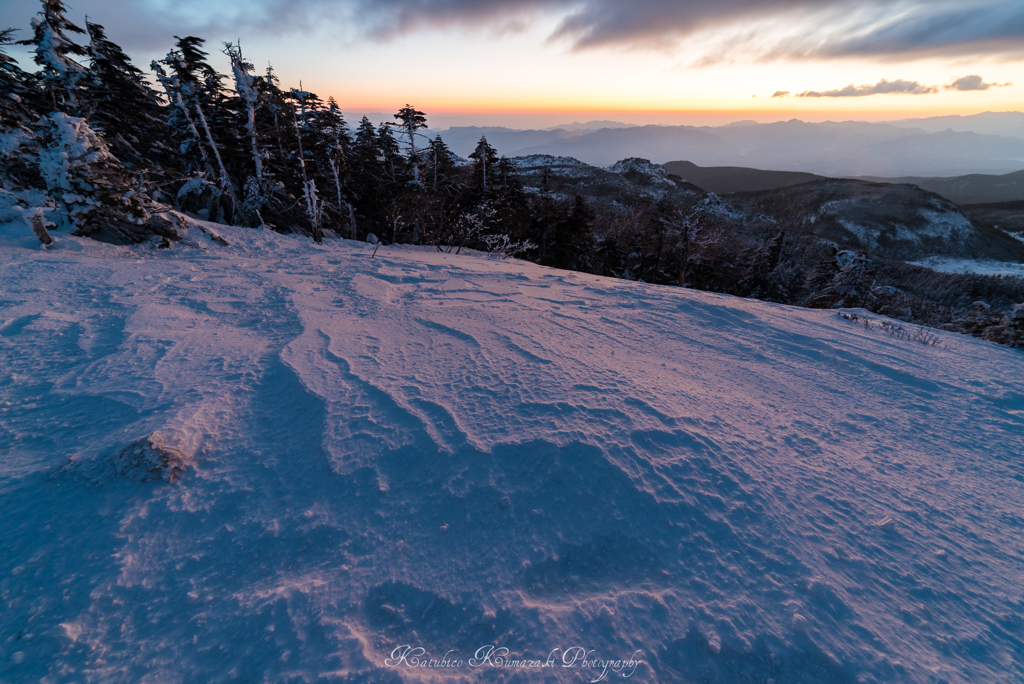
(990, 144)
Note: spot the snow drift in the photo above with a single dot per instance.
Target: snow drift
(277, 461)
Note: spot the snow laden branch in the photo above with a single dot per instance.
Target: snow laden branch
(93, 192)
(53, 49)
(245, 84)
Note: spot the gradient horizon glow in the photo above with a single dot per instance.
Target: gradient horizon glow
(539, 63)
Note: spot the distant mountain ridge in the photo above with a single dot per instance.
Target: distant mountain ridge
(896, 221)
(462, 140)
(626, 182)
(963, 190)
(969, 189)
(723, 180)
(986, 123)
(591, 126)
(1005, 216)
(829, 149)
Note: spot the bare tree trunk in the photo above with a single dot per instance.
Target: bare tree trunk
(307, 186)
(415, 162)
(342, 202)
(39, 228)
(252, 138)
(195, 132)
(225, 182)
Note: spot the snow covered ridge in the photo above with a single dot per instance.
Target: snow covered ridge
(642, 167)
(560, 165)
(939, 220)
(282, 461)
(981, 266)
(895, 221)
(570, 167)
(627, 183)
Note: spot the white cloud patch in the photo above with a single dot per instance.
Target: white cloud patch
(973, 82)
(883, 87)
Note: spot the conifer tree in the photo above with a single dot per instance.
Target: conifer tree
(275, 109)
(55, 53)
(506, 196)
(410, 121)
(484, 157)
(440, 162)
(389, 152)
(507, 180)
(195, 88)
(120, 103)
(245, 84)
(302, 102)
(367, 172)
(205, 82)
(850, 286)
(19, 97)
(329, 142)
(389, 193)
(819, 278)
(366, 146)
(180, 119)
(16, 92)
(200, 86)
(93, 191)
(571, 241)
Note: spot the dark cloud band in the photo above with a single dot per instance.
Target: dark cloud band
(818, 28)
(832, 28)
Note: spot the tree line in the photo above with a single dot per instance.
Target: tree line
(110, 149)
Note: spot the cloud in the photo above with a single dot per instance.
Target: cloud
(802, 29)
(883, 87)
(973, 82)
(921, 29)
(793, 29)
(897, 87)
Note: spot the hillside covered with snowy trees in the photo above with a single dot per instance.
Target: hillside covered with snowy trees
(94, 145)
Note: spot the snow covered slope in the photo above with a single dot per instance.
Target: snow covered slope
(980, 266)
(276, 461)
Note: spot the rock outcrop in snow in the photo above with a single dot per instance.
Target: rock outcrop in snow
(153, 458)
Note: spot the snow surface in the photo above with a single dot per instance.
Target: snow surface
(10, 140)
(979, 266)
(656, 172)
(940, 220)
(277, 461)
(945, 222)
(566, 167)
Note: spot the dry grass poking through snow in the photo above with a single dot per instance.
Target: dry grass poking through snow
(923, 334)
